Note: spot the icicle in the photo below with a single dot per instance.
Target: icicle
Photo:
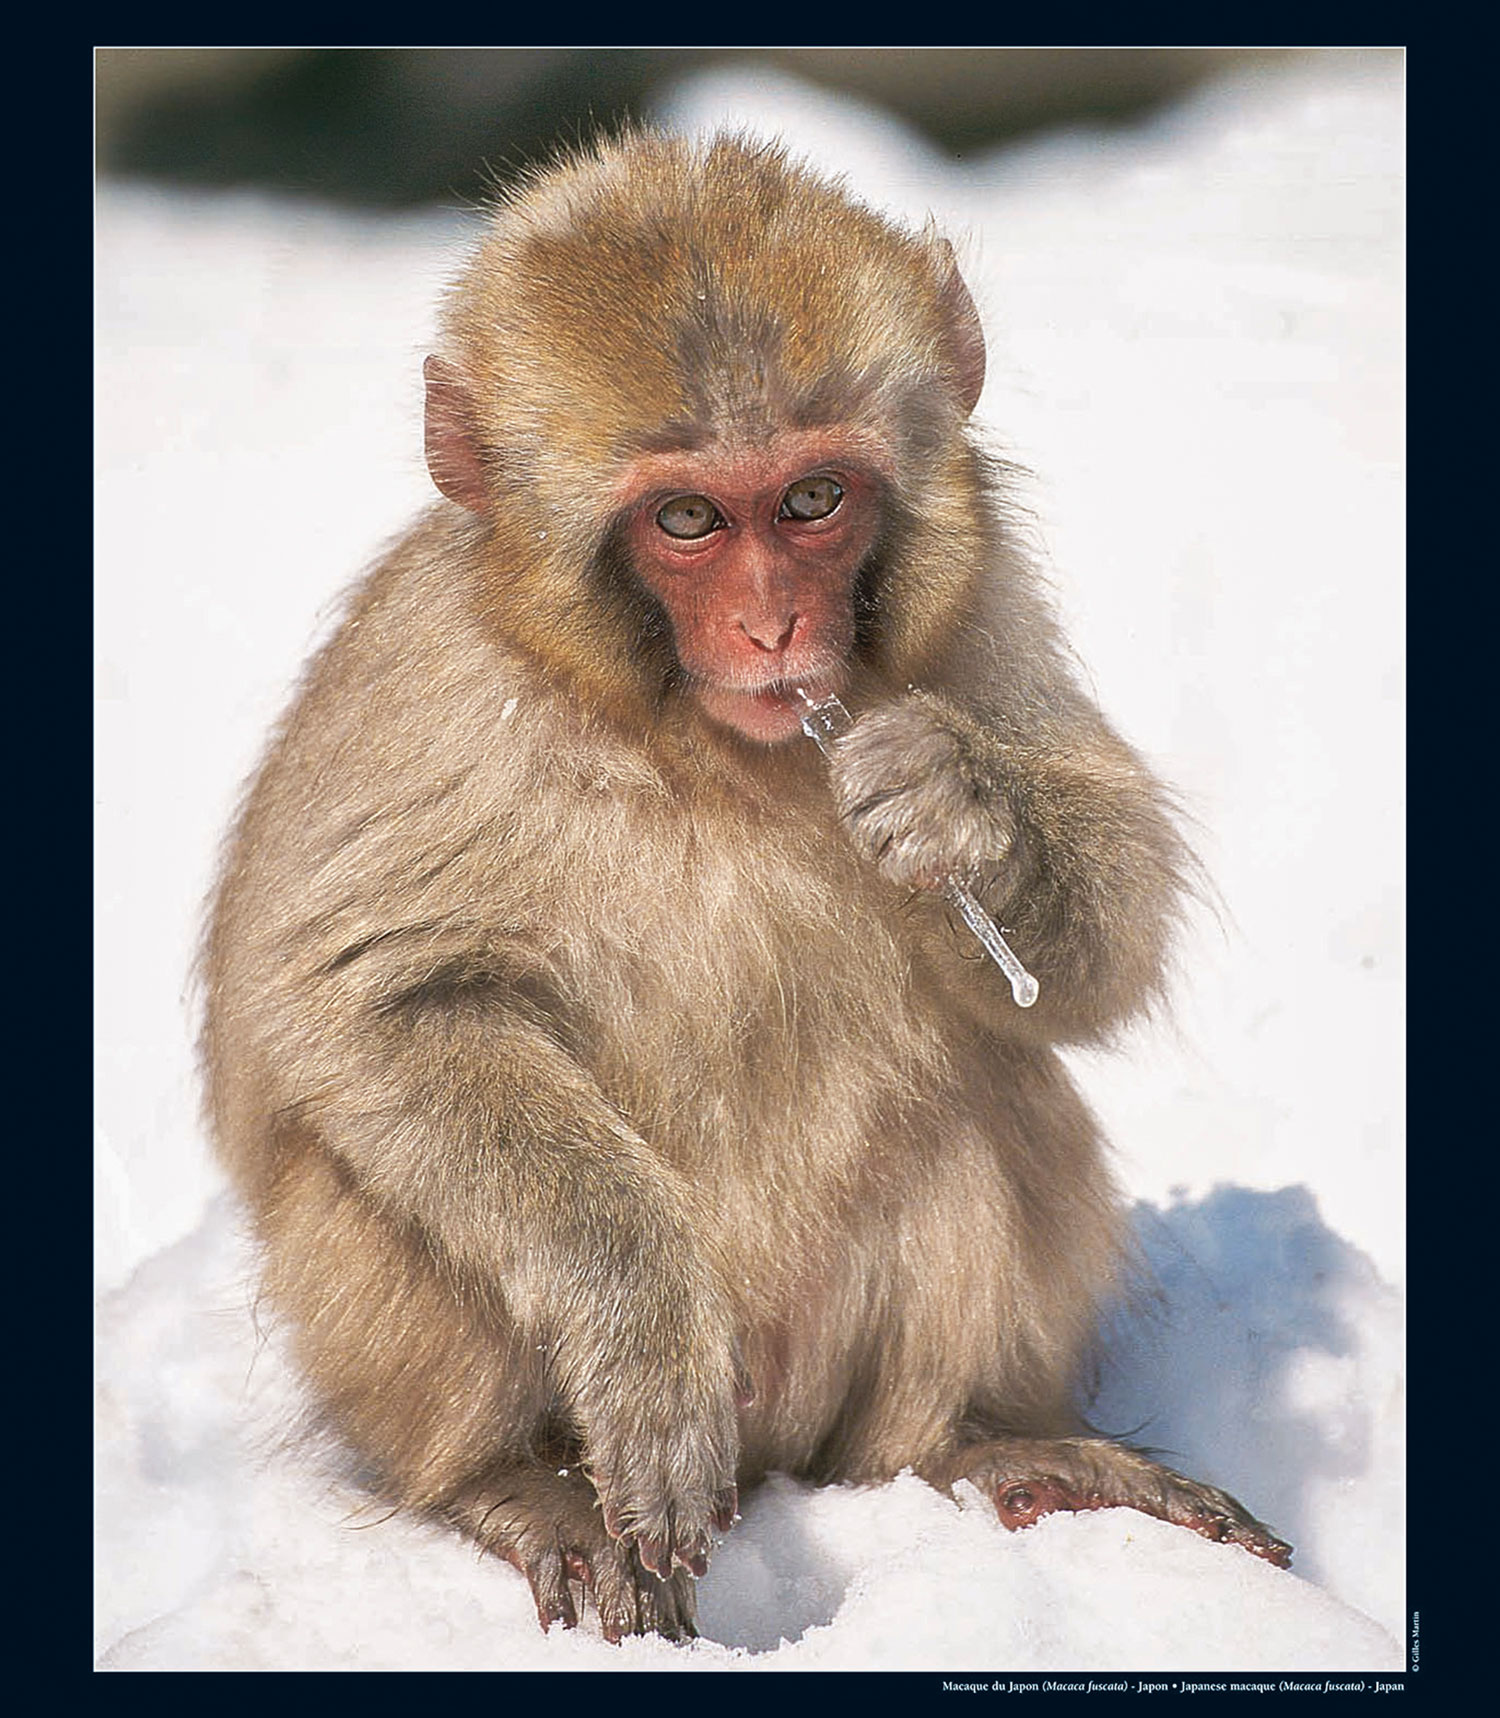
(823, 721)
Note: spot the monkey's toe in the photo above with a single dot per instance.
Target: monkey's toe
(1245, 1530)
(1218, 1516)
(632, 1600)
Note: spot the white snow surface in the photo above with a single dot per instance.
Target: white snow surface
(1196, 331)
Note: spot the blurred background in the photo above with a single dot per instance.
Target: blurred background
(396, 127)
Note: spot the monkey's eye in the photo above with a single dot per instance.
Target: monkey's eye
(689, 516)
(811, 498)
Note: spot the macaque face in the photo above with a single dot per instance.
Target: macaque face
(754, 556)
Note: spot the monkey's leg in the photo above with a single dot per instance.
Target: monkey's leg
(1028, 1478)
(548, 1523)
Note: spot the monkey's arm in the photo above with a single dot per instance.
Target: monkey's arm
(462, 1117)
(1061, 831)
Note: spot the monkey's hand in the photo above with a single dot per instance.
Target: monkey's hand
(661, 1439)
(918, 802)
(1060, 831)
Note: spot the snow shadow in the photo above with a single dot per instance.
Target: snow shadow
(1250, 1309)
(1220, 1364)
(777, 1575)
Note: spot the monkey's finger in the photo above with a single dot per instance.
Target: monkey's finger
(633, 1601)
(1253, 1535)
(548, 1575)
(668, 1608)
(617, 1617)
(614, 1516)
(1218, 1516)
(1270, 1548)
(656, 1554)
(726, 1508)
(671, 1609)
(614, 1594)
(693, 1556)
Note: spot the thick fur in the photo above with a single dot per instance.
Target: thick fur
(588, 1069)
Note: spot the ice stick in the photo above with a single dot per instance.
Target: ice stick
(823, 721)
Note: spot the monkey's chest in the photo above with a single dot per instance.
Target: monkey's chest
(759, 997)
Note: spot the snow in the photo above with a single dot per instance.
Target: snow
(1196, 345)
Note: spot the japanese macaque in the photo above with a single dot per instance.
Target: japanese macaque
(622, 1110)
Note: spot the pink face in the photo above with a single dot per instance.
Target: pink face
(754, 556)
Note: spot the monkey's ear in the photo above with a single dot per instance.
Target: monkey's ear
(965, 335)
(452, 449)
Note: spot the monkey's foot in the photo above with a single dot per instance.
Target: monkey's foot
(548, 1524)
(1028, 1478)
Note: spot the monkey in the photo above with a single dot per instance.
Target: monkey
(620, 1111)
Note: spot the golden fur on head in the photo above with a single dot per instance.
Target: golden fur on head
(660, 293)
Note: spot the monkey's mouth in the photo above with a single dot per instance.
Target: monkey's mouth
(770, 713)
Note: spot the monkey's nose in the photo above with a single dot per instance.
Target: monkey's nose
(770, 635)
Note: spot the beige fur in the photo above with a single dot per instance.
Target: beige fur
(585, 1066)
